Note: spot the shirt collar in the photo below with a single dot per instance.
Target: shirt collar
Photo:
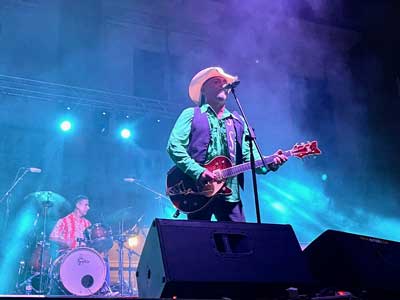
(206, 107)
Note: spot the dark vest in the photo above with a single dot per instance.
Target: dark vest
(200, 136)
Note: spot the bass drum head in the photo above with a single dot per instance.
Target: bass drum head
(82, 271)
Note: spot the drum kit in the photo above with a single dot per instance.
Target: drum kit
(85, 270)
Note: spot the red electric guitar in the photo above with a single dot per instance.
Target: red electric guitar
(188, 197)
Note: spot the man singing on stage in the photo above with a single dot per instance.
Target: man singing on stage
(209, 130)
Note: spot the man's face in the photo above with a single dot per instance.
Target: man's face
(213, 91)
(83, 206)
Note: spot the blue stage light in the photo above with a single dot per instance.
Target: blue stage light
(125, 133)
(66, 125)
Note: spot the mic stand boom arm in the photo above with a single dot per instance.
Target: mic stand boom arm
(6, 198)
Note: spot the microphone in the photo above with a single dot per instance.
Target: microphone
(34, 170)
(129, 179)
(229, 86)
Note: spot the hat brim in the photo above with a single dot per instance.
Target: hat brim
(201, 77)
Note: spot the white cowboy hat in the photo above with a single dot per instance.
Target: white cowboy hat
(198, 80)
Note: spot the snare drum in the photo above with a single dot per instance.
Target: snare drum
(81, 271)
(99, 237)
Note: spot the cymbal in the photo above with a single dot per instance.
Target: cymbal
(57, 205)
(122, 220)
(45, 198)
(127, 215)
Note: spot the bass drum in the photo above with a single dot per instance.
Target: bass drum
(81, 271)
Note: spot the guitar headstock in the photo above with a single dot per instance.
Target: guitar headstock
(305, 149)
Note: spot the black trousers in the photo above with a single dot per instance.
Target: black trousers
(222, 210)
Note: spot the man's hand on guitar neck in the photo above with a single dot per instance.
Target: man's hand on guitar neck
(279, 160)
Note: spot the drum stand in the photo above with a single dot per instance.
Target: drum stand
(121, 288)
(121, 240)
(130, 252)
(28, 284)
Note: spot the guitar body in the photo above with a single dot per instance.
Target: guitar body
(187, 195)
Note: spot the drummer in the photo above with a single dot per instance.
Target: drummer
(69, 230)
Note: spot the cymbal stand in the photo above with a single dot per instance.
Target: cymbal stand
(121, 240)
(130, 252)
(135, 230)
(46, 205)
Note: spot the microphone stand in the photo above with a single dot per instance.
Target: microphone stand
(251, 137)
(6, 198)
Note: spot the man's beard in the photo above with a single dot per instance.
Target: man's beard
(222, 96)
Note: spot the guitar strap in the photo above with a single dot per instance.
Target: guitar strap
(231, 139)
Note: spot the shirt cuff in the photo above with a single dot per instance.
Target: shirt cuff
(262, 170)
(197, 173)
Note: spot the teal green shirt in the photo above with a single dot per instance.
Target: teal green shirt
(179, 141)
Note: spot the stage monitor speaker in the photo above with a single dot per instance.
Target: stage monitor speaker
(201, 259)
(352, 261)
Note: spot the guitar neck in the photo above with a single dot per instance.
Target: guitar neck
(236, 170)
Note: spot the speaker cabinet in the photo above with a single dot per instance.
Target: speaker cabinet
(201, 259)
(351, 261)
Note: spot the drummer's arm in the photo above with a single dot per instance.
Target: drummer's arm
(57, 236)
(61, 242)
